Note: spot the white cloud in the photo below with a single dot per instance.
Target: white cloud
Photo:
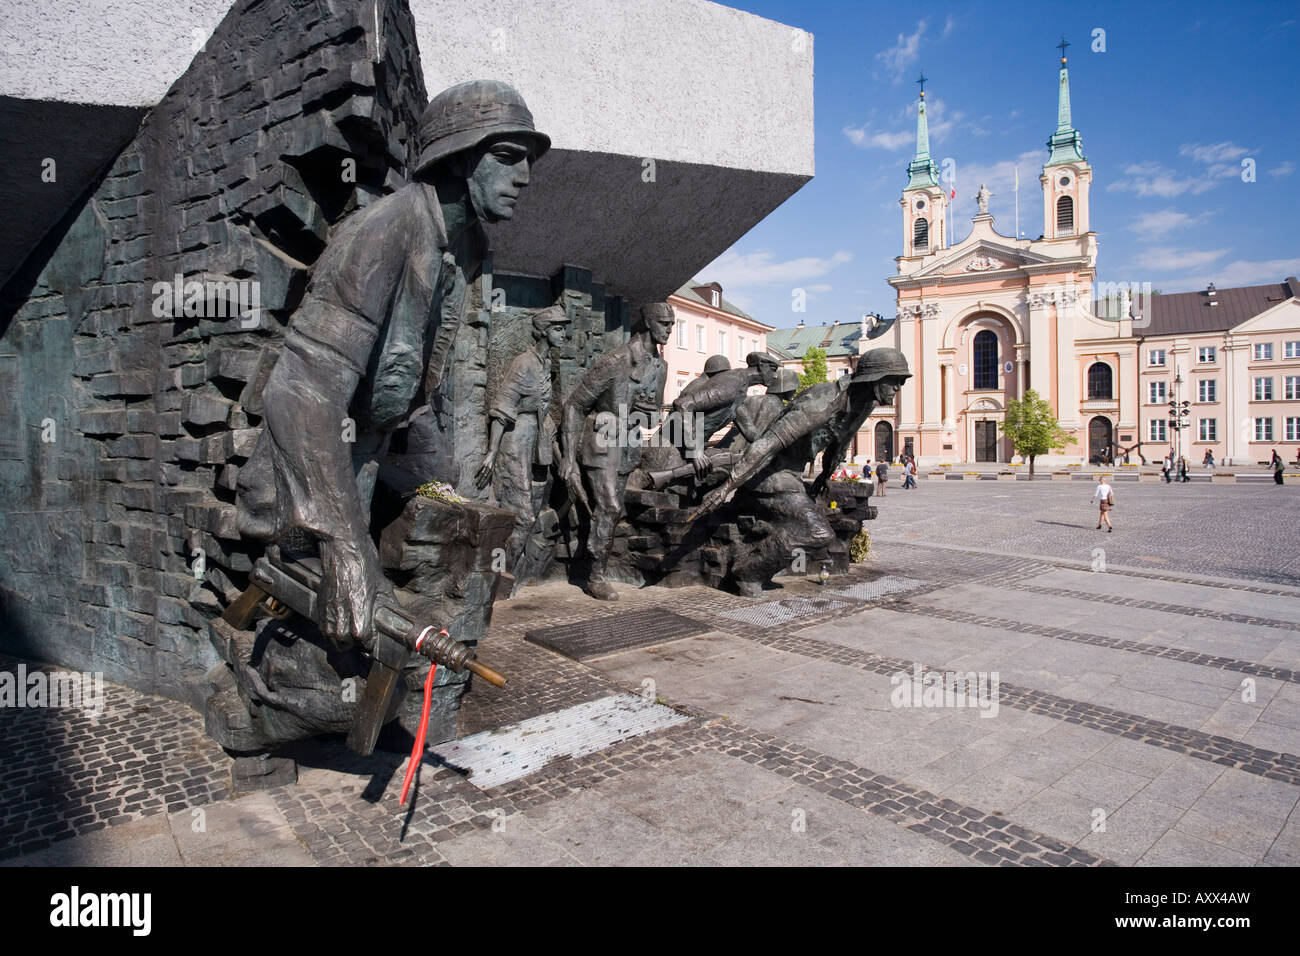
(819, 287)
(864, 137)
(939, 120)
(1154, 225)
(1213, 152)
(733, 269)
(1286, 169)
(1170, 259)
(1000, 179)
(948, 26)
(1241, 272)
(898, 58)
(1152, 179)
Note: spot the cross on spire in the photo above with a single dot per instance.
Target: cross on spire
(921, 81)
(1062, 45)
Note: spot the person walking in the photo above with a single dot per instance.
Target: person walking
(1208, 460)
(1104, 496)
(909, 479)
(1166, 465)
(1182, 469)
(882, 475)
(1277, 465)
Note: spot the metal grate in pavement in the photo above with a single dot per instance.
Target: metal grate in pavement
(508, 753)
(596, 637)
(772, 613)
(870, 590)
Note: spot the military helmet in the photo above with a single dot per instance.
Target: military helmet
(755, 359)
(462, 116)
(716, 364)
(787, 383)
(881, 363)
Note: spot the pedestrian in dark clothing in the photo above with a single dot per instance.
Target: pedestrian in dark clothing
(882, 475)
(1182, 469)
(1277, 466)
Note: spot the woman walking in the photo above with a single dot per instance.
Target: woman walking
(1277, 466)
(1104, 497)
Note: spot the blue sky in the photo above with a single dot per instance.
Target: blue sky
(1183, 92)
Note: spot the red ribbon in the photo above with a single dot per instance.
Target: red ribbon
(417, 752)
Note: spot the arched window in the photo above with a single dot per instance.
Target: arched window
(1099, 381)
(985, 360)
(921, 237)
(1065, 216)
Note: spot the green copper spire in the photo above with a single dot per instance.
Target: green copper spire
(1066, 144)
(922, 171)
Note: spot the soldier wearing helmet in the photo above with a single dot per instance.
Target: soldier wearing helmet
(823, 419)
(372, 338)
(776, 493)
(709, 403)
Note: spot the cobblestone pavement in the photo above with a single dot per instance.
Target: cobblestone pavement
(1145, 714)
(1249, 531)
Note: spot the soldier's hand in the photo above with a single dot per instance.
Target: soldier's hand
(351, 581)
(484, 473)
(714, 500)
(819, 485)
(702, 464)
(571, 475)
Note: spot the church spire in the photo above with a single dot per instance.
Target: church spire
(1066, 144)
(922, 171)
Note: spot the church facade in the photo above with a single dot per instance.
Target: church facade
(983, 320)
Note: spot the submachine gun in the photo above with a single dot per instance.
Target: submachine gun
(280, 583)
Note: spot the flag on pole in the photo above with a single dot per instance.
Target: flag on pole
(1017, 168)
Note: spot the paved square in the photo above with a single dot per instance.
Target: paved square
(1141, 705)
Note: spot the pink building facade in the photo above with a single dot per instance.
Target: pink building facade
(707, 325)
(984, 319)
(1233, 356)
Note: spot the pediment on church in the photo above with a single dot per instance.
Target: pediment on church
(981, 258)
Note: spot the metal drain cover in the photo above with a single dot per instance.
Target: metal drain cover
(597, 637)
(772, 613)
(870, 590)
(508, 753)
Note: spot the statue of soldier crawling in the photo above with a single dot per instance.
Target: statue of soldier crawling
(372, 339)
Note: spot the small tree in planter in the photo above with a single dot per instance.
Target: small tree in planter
(1032, 428)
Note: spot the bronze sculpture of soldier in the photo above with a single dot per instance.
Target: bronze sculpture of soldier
(523, 434)
(601, 437)
(373, 336)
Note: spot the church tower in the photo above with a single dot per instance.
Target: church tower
(1066, 174)
(925, 201)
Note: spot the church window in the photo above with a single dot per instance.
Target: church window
(985, 360)
(921, 236)
(1099, 381)
(1065, 216)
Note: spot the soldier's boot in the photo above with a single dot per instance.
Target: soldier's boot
(598, 544)
(601, 590)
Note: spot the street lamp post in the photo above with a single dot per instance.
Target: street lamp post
(1180, 416)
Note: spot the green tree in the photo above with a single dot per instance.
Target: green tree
(814, 368)
(1033, 429)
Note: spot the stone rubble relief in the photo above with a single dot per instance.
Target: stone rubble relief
(274, 323)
